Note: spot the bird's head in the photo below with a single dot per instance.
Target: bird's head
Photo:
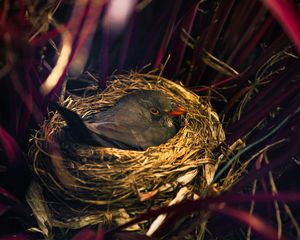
(159, 107)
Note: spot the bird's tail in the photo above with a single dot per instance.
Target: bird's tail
(74, 122)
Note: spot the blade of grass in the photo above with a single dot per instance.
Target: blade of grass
(250, 146)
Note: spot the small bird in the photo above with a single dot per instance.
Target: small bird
(140, 119)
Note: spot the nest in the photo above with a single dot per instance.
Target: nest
(80, 185)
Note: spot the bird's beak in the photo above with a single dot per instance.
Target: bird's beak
(178, 111)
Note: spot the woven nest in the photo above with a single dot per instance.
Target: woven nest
(81, 185)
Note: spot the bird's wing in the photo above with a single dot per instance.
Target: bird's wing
(124, 135)
(78, 129)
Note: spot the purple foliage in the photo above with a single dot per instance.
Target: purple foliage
(243, 34)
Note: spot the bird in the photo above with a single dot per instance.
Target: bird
(139, 120)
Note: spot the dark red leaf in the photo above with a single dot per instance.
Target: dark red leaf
(10, 146)
(132, 236)
(170, 28)
(258, 225)
(17, 236)
(286, 13)
(85, 234)
(3, 208)
(15, 205)
(100, 233)
(189, 206)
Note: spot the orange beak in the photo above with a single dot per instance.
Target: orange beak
(177, 111)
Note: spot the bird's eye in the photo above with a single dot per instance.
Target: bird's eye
(154, 111)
